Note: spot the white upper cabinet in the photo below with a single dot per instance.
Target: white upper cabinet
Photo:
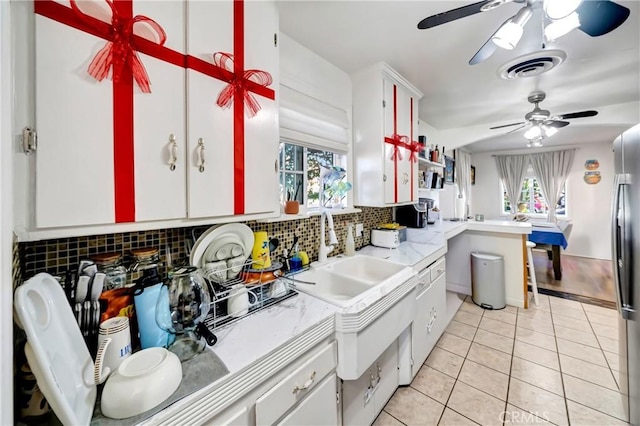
(112, 150)
(385, 126)
(104, 145)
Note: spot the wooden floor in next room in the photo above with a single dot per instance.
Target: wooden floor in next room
(581, 276)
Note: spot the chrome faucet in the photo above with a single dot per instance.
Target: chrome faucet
(324, 250)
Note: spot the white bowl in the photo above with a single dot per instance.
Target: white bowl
(142, 382)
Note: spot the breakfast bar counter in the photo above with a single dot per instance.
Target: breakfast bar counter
(504, 238)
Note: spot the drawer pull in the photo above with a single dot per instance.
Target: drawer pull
(306, 385)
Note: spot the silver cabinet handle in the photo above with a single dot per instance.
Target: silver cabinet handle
(201, 155)
(405, 178)
(306, 384)
(173, 152)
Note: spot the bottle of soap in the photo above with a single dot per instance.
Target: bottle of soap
(350, 245)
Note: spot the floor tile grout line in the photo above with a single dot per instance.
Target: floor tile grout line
(390, 413)
(564, 390)
(603, 351)
(595, 409)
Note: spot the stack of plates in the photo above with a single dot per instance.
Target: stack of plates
(222, 242)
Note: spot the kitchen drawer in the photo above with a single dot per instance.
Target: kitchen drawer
(437, 269)
(318, 408)
(278, 400)
(424, 279)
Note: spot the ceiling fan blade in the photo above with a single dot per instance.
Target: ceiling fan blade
(580, 114)
(451, 15)
(507, 125)
(599, 17)
(519, 128)
(558, 124)
(487, 49)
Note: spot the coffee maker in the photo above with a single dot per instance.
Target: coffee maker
(429, 204)
(416, 215)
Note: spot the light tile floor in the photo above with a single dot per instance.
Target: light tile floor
(555, 363)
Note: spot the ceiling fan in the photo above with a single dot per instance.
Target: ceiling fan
(543, 125)
(593, 17)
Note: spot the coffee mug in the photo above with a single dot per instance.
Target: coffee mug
(238, 302)
(260, 252)
(114, 346)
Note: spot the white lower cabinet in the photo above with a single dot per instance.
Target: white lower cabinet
(304, 392)
(297, 387)
(318, 408)
(364, 398)
(430, 320)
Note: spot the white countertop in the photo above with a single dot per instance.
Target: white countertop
(418, 254)
(451, 229)
(255, 336)
(243, 344)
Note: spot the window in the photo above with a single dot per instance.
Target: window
(531, 200)
(300, 175)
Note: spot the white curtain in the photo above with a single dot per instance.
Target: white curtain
(511, 169)
(552, 170)
(463, 179)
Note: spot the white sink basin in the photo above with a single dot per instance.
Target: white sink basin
(344, 281)
(364, 268)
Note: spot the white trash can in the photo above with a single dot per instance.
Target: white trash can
(487, 281)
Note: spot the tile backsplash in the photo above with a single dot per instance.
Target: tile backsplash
(56, 256)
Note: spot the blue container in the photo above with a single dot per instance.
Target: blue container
(146, 303)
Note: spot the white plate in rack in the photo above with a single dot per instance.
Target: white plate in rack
(55, 349)
(242, 231)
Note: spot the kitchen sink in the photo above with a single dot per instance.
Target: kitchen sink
(345, 281)
(364, 268)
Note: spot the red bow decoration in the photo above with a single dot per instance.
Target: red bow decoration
(415, 148)
(225, 98)
(397, 141)
(119, 51)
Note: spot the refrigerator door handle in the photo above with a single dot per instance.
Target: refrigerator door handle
(620, 245)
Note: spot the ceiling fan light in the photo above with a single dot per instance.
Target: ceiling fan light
(508, 36)
(557, 29)
(533, 132)
(558, 9)
(510, 33)
(549, 131)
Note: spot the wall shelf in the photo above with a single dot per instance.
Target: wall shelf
(425, 162)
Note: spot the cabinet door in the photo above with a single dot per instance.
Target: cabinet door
(239, 174)
(103, 145)
(357, 403)
(397, 120)
(261, 132)
(318, 408)
(387, 371)
(209, 127)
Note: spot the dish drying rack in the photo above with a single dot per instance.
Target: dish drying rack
(258, 281)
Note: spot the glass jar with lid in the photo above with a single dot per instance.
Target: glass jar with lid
(111, 265)
(145, 258)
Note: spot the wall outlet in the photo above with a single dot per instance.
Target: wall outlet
(359, 228)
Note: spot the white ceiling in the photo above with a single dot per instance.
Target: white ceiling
(462, 100)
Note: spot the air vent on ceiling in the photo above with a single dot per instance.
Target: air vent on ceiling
(531, 64)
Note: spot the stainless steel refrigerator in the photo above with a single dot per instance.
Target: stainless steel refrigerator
(626, 263)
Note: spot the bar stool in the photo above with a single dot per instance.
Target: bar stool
(532, 272)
